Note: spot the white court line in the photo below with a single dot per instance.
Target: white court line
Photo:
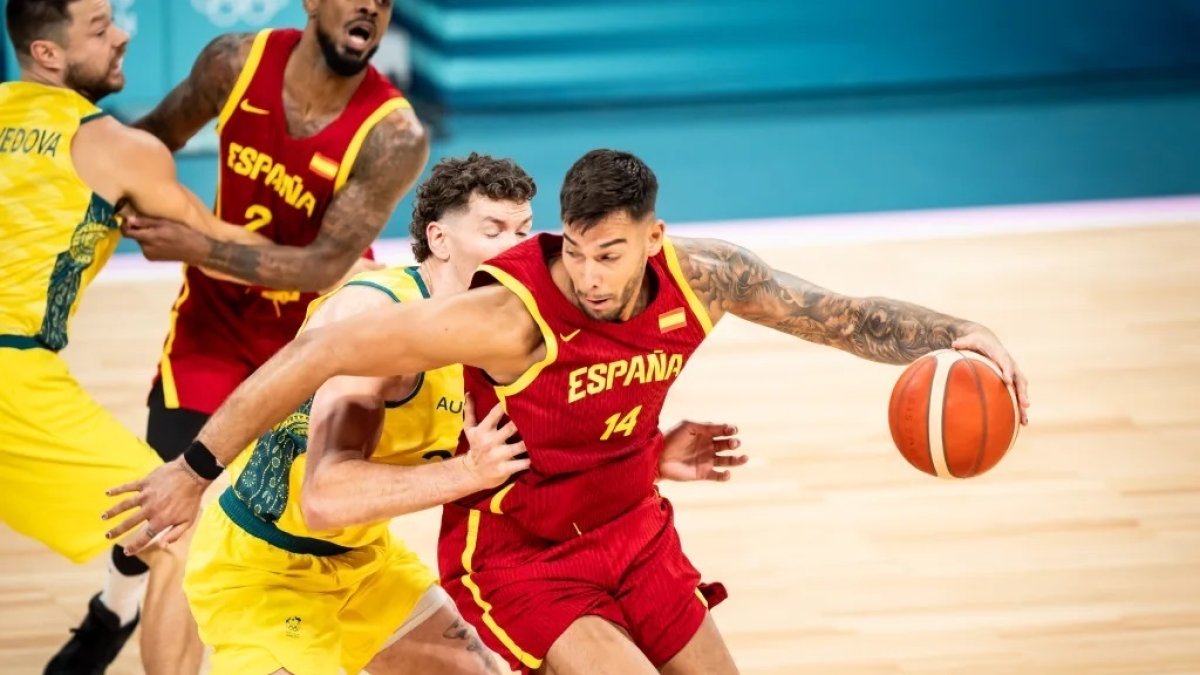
(837, 229)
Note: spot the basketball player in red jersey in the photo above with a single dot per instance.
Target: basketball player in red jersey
(574, 565)
(316, 149)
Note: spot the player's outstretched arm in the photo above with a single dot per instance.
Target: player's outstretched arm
(123, 164)
(391, 160)
(200, 97)
(729, 278)
(342, 487)
(486, 327)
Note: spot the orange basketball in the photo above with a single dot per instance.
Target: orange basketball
(952, 415)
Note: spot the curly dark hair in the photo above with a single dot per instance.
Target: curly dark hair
(604, 182)
(451, 185)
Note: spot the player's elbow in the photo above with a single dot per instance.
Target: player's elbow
(322, 501)
(317, 508)
(325, 274)
(414, 141)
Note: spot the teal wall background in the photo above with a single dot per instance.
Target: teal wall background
(166, 36)
(503, 53)
(764, 108)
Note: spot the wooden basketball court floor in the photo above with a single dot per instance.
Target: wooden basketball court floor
(1079, 553)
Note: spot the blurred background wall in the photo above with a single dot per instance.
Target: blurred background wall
(764, 108)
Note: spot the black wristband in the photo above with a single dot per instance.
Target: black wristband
(202, 461)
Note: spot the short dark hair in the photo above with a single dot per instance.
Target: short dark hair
(451, 184)
(30, 20)
(605, 182)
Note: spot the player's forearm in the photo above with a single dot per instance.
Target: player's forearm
(878, 329)
(349, 490)
(218, 230)
(284, 382)
(891, 331)
(275, 265)
(731, 278)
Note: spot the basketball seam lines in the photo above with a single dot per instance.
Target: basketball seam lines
(928, 412)
(909, 377)
(983, 411)
(942, 421)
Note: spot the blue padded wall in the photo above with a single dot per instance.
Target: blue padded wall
(487, 53)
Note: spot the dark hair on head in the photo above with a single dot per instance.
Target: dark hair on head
(451, 185)
(30, 20)
(605, 182)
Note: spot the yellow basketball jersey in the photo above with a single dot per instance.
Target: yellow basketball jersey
(423, 427)
(57, 233)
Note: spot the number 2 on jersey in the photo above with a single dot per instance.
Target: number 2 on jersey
(257, 217)
(621, 424)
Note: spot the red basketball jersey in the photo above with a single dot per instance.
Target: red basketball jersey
(279, 186)
(588, 412)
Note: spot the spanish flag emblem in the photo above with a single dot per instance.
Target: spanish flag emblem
(669, 321)
(323, 166)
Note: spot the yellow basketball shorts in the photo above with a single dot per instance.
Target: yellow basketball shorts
(262, 608)
(59, 452)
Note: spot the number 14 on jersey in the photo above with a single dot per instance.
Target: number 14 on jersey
(621, 423)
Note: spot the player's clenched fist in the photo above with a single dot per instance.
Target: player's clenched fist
(491, 459)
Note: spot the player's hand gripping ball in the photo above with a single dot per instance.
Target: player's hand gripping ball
(952, 415)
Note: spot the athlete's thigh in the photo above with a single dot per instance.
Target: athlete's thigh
(594, 646)
(392, 589)
(259, 608)
(59, 452)
(705, 654)
(442, 643)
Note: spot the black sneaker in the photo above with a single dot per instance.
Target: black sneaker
(95, 643)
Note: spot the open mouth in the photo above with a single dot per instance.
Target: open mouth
(596, 303)
(359, 34)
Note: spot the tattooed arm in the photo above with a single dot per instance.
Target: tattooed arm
(391, 159)
(728, 278)
(200, 97)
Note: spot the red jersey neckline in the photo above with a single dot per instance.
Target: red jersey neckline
(551, 246)
(292, 41)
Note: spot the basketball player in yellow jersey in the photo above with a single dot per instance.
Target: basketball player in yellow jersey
(293, 570)
(309, 104)
(64, 166)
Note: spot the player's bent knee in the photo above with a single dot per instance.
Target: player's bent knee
(706, 652)
(435, 638)
(596, 646)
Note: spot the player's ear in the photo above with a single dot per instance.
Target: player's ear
(439, 245)
(310, 7)
(48, 54)
(655, 233)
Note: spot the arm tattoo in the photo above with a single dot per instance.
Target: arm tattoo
(728, 278)
(389, 163)
(460, 631)
(200, 97)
